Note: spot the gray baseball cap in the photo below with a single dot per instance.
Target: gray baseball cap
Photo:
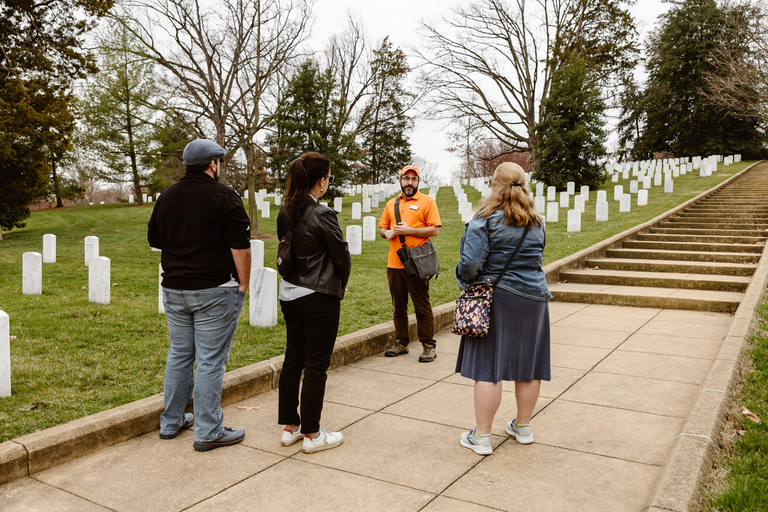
(202, 152)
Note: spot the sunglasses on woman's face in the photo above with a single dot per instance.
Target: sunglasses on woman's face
(330, 179)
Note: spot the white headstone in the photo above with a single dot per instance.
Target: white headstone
(263, 193)
(574, 221)
(160, 305)
(625, 203)
(130, 198)
(356, 211)
(551, 191)
(355, 239)
(570, 187)
(49, 248)
(5, 354)
(278, 200)
(552, 211)
(540, 189)
(32, 273)
(99, 280)
(149, 199)
(366, 205)
(618, 191)
(245, 194)
(257, 253)
(585, 192)
(324, 203)
(263, 297)
(369, 228)
(669, 186)
(264, 208)
(337, 204)
(579, 204)
(657, 179)
(601, 211)
(602, 195)
(565, 200)
(615, 178)
(91, 249)
(143, 198)
(647, 181)
(541, 204)
(642, 197)
(633, 187)
(375, 198)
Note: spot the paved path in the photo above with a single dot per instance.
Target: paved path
(624, 381)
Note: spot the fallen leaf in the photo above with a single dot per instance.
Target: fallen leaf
(84, 287)
(749, 414)
(741, 432)
(247, 408)
(13, 337)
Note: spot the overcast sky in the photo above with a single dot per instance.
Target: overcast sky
(398, 19)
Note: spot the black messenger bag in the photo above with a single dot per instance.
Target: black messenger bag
(420, 262)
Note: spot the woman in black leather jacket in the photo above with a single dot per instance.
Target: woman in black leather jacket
(310, 298)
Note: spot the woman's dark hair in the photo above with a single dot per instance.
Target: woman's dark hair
(303, 173)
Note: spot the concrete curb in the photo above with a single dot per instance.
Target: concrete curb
(30, 454)
(577, 259)
(679, 486)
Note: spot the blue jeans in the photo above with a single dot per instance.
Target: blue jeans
(201, 324)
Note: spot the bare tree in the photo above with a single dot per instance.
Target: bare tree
(207, 52)
(427, 171)
(739, 81)
(493, 62)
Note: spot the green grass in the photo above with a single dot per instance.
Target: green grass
(745, 487)
(71, 358)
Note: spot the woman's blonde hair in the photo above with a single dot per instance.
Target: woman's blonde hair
(511, 194)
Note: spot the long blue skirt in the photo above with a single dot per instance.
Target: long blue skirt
(517, 345)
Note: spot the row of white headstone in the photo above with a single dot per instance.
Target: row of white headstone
(98, 269)
(5, 355)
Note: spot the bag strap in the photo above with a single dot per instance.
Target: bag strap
(302, 222)
(397, 220)
(509, 261)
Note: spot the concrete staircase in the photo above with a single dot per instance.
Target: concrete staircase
(702, 258)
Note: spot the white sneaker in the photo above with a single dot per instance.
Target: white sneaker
(323, 441)
(523, 435)
(290, 437)
(481, 446)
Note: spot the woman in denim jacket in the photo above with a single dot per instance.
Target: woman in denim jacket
(517, 346)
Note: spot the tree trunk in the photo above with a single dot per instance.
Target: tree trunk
(59, 203)
(132, 151)
(253, 213)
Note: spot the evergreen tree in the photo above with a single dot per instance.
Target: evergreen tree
(385, 143)
(677, 116)
(117, 113)
(572, 135)
(307, 121)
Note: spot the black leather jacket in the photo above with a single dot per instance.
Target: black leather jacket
(321, 259)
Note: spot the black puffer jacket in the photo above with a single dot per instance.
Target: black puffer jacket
(321, 259)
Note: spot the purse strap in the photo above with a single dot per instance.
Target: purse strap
(397, 220)
(509, 261)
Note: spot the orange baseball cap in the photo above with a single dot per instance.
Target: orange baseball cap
(410, 168)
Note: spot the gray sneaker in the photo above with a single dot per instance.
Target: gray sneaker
(398, 349)
(428, 355)
(522, 434)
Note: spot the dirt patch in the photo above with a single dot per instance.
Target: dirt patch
(262, 236)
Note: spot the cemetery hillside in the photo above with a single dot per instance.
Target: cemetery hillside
(72, 357)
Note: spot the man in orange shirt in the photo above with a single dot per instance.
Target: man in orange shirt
(419, 221)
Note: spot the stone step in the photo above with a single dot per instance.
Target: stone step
(694, 246)
(657, 279)
(660, 237)
(659, 254)
(646, 297)
(683, 223)
(762, 233)
(686, 267)
(729, 216)
(731, 208)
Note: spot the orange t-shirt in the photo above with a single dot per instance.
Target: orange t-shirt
(419, 211)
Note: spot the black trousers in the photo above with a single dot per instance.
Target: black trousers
(400, 287)
(311, 325)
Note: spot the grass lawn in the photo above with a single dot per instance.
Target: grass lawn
(71, 358)
(745, 486)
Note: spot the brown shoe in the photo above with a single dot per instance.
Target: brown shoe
(428, 355)
(397, 349)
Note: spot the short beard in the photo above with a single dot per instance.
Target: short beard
(406, 194)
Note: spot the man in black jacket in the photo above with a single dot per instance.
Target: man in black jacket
(204, 234)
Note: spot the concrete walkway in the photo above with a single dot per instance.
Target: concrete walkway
(624, 382)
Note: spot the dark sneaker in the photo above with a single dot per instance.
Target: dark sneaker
(428, 355)
(228, 438)
(398, 349)
(189, 420)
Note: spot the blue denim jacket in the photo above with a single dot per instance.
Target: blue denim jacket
(487, 244)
